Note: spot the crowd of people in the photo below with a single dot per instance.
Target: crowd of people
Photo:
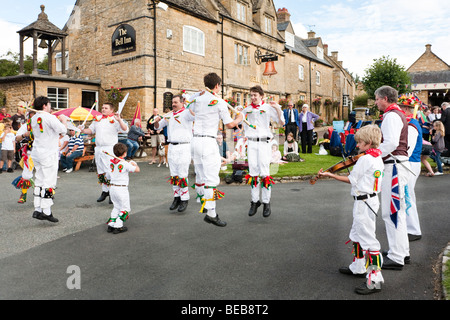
(389, 165)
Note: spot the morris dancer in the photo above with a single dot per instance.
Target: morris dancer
(179, 131)
(45, 130)
(259, 148)
(106, 128)
(394, 129)
(414, 153)
(25, 181)
(209, 109)
(365, 179)
(119, 169)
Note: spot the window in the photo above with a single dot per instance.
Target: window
(317, 77)
(301, 72)
(58, 58)
(241, 54)
(193, 40)
(319, 53)
(268, 25)
(58, 97)
(241, 11)
(290, 39)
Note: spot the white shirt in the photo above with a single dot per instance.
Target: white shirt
(364, 173)
(209, 110)
(46, 143)
(119, 172)
(261, 119)
(8, 143)
(179, 126)
(106, 131)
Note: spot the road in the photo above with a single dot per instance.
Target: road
(292, 255)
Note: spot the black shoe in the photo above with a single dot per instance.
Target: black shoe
(346, 270)
(110, 201)
(110, 229)
(183, 205)
(103, 196)
(266, 211)
(388, 264)
(119, 230)
(37, 215)
(364, 290)
(50, 218)
(9, 170)
(175, 203)
(407, 260)
(253, 208)
(215, 221)
(414, 237)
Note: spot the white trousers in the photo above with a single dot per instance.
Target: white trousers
(45, 177)
(179, 157)
(412, 216)
(102, 162)
(205, 153)
(364, 224)
(120, 198)
(397, 236)
(259, 155)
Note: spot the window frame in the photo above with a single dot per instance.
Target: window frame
(203, 40)
(56, 100)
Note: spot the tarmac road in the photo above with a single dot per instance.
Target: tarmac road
(292, 255)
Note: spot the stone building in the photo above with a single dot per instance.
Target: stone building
(114, 44)
(430, 78)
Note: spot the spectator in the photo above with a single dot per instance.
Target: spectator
(305, 124)
(3, 114)
(438, 143)
(63, 144)
(426, 126)
(426, 152)
(291, 119)
(8, 147)
(435, 114)
(445, 118)
(18, 119)
(156, 135)
(74, 150)
(223, 149)
(291, 149)
(276, 154)
(134, 136)
(123, 138)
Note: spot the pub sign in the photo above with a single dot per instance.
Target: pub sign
(123, 40)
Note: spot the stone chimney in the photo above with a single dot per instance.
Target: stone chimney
(334, 54)
(325, 50)
(283, 15)
(428, 48)
(311, 34)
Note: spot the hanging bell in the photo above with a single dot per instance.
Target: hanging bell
(42, 44)
(270, 69)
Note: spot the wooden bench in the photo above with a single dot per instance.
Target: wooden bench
(145, 144)
(82, 159)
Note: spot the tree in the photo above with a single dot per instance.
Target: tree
(385, 71)
(9, 64)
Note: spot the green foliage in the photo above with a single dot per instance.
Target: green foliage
(386, 71)
(9, 64)
(361, 100)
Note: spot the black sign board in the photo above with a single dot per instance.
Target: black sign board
(123, 40)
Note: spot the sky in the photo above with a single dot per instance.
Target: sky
(360, 30)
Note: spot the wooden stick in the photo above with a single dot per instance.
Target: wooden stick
(113, 156)
(89, 113)
(243, 119)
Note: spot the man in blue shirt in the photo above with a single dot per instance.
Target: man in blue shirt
(74, 150)
(291, 117)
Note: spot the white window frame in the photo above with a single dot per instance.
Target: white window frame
(193, 32)
(320, 53)
(241, 54)
(58, 61)
(290, 39)
(241, 10)
(318, 77)
(57, 99)
(301, 72)
(268, 25)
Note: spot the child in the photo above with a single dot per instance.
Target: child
(438, 143)
(119, 188)
(365, 179)
(8, 147)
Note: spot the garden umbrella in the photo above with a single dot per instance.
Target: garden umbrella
(78, 113)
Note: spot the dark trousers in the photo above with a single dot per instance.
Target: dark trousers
(306, 136)
(291, 127)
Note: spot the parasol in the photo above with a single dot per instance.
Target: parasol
(78, 114)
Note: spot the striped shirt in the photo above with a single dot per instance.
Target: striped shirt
(73, 141)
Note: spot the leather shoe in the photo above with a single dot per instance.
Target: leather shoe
(37, 215)
(50, 218)
(388, 264)
(183, 205)
(266, 211)
(175, 203)
(414, 237)
(364, 290)
(119, 230)
(103, 196)
(346, 270)
(215, 221)
(253, 208)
